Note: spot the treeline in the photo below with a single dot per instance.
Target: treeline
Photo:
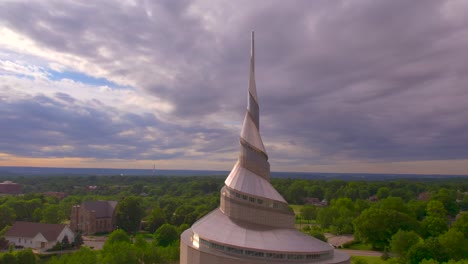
(380, 213)
(119, 248)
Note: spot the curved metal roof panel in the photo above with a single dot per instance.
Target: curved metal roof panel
(251, 134)
(245, 181)
(217, 227)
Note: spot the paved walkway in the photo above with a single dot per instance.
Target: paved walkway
(364, 253)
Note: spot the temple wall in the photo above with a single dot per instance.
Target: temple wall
(191, 255)
(254, 161)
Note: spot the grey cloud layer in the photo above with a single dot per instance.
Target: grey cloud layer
(370, 80)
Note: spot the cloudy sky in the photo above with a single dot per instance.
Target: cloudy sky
(344, 86)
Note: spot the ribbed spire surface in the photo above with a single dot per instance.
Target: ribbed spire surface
(253, 155)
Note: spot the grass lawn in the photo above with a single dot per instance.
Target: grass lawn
(296, 208)
(361, 246)
(369, 260)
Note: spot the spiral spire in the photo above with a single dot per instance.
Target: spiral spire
(252, 154)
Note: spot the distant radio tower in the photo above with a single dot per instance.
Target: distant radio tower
(154, 169)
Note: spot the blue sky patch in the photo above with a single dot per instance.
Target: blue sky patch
(83, 78)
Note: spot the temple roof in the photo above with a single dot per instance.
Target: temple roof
(220, 228)
(246, 181)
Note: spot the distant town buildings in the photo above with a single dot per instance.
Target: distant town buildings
(9, 187)
(38, 236)
(254, 224)
(316, 202)
(93, 217)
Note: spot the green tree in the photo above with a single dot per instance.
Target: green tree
(26, 257)
(383, 192)
(129, 213)
(184, 214)
(429, 249)
(156, 219)
(377, 226)
(296, 193)
(461, 224)
(166, 235)
(417, 208)
(402, 241)
(7, 216)
(455, 244)
(118, 236)
(435, 222)
(65, 242)
(433, 226)
(52, 214)
(393, 203)
(436, 209)
(448, 199)
(83, 256)
(308, 212)
(7, 258)
(119, 253)
(78, 241)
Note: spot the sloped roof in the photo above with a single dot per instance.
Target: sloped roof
(220, 228)
(245, 181)
(30, 230)
(103, 209)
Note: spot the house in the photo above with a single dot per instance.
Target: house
(316, 201)
(38, 236)
(93, 217)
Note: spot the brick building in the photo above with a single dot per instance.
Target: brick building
(93, 217)
(10, 187)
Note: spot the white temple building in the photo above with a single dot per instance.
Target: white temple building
(253, 223)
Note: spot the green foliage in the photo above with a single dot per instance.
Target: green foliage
(166, 235)
(417, 208)
(454, 244)
(402, 241)
(119, 253)
(78, 241)
(461, 224)
(26, 257)
(448, 199)
(436, 209)
(429, 249)
(8, 258)
(118, 236)
(308, 212)
(318, 235)
(377, 226)
(129, 213)
(393, 203)
(296, 193)
(433, 226)
(359, 261)
(338, 216)
(184, 214)
(7, 216)
(4, 230)
(156, 219)
(83, 256)
(383, 193)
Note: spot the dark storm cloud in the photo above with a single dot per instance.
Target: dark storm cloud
(372, 80)
(45, 127)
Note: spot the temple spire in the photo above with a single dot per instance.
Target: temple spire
(253, 156)
(252, 101)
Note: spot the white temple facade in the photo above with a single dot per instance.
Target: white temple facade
(253, 224)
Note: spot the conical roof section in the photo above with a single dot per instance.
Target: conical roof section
(251, 174)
